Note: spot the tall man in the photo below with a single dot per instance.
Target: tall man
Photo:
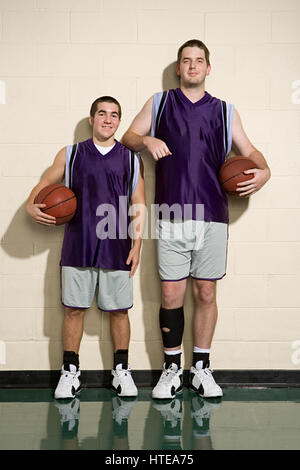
(190, 141)
(100, 171)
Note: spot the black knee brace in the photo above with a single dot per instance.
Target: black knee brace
(173, 320)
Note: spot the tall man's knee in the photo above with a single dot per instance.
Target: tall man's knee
(206, 293)
(74, 312)
(119, 314)
(172, 325)
(208, 296)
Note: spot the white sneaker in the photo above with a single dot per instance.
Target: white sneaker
(202, 381)
(201, 411)
(122, 382)
(169, 384)
(122, 409)
(69, 416)
(69, 383)
(170, 411)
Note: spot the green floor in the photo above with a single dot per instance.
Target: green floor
(244, 419)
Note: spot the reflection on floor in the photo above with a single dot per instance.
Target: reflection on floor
(98, 419)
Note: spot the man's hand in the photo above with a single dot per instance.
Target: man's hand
(158, 148)
(260, 177)
(134, 258)
(34, 211)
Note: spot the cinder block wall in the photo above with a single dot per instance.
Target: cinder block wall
(56, 57)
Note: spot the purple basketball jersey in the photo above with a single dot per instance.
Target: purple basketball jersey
(98, 179)
(194, 133)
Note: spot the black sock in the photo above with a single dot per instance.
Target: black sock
(200, 356)
(121, 357)
(70, 357)
(172, 359)
(120, 430)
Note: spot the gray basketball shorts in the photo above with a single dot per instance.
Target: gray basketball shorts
(113, 288)
(191, 248)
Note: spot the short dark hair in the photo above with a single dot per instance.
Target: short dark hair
(106, 99)
(193, 43)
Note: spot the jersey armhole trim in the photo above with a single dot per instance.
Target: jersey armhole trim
(134, 165)
(159, 101)
(227, 116)
(71, 151)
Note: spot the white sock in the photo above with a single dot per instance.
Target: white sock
(201, 350)
(172, 353)
(199, 364)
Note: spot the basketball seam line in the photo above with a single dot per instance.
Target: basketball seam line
(55, 205)
(234, 176)
(50, 192)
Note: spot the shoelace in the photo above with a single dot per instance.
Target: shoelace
(68, 377)
(175, 411)
(124, 372)
(165, 374)
(207, 375)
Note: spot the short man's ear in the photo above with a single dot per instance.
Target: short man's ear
(208, 70)
(177, 69)
(91, 120)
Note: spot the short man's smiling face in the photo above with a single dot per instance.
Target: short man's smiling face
(105, 121)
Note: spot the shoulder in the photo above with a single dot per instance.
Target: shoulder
(215, 99)
(225, 102)
(160, 98)
(160, 94)
(126, 150)
(121, 147)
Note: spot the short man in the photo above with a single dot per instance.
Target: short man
(100, 171)
(191, 134)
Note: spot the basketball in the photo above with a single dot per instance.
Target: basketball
(232, 172)
(60, 202)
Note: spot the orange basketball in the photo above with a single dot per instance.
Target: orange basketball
(232, 172)
(60, 202)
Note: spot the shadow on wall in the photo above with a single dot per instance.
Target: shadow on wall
(25, 239)
(82, 131)
(149, 279)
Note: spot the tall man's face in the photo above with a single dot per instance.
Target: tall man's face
(193, 68)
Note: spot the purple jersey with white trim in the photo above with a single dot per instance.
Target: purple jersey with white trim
(98, 179)
(194, 134)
